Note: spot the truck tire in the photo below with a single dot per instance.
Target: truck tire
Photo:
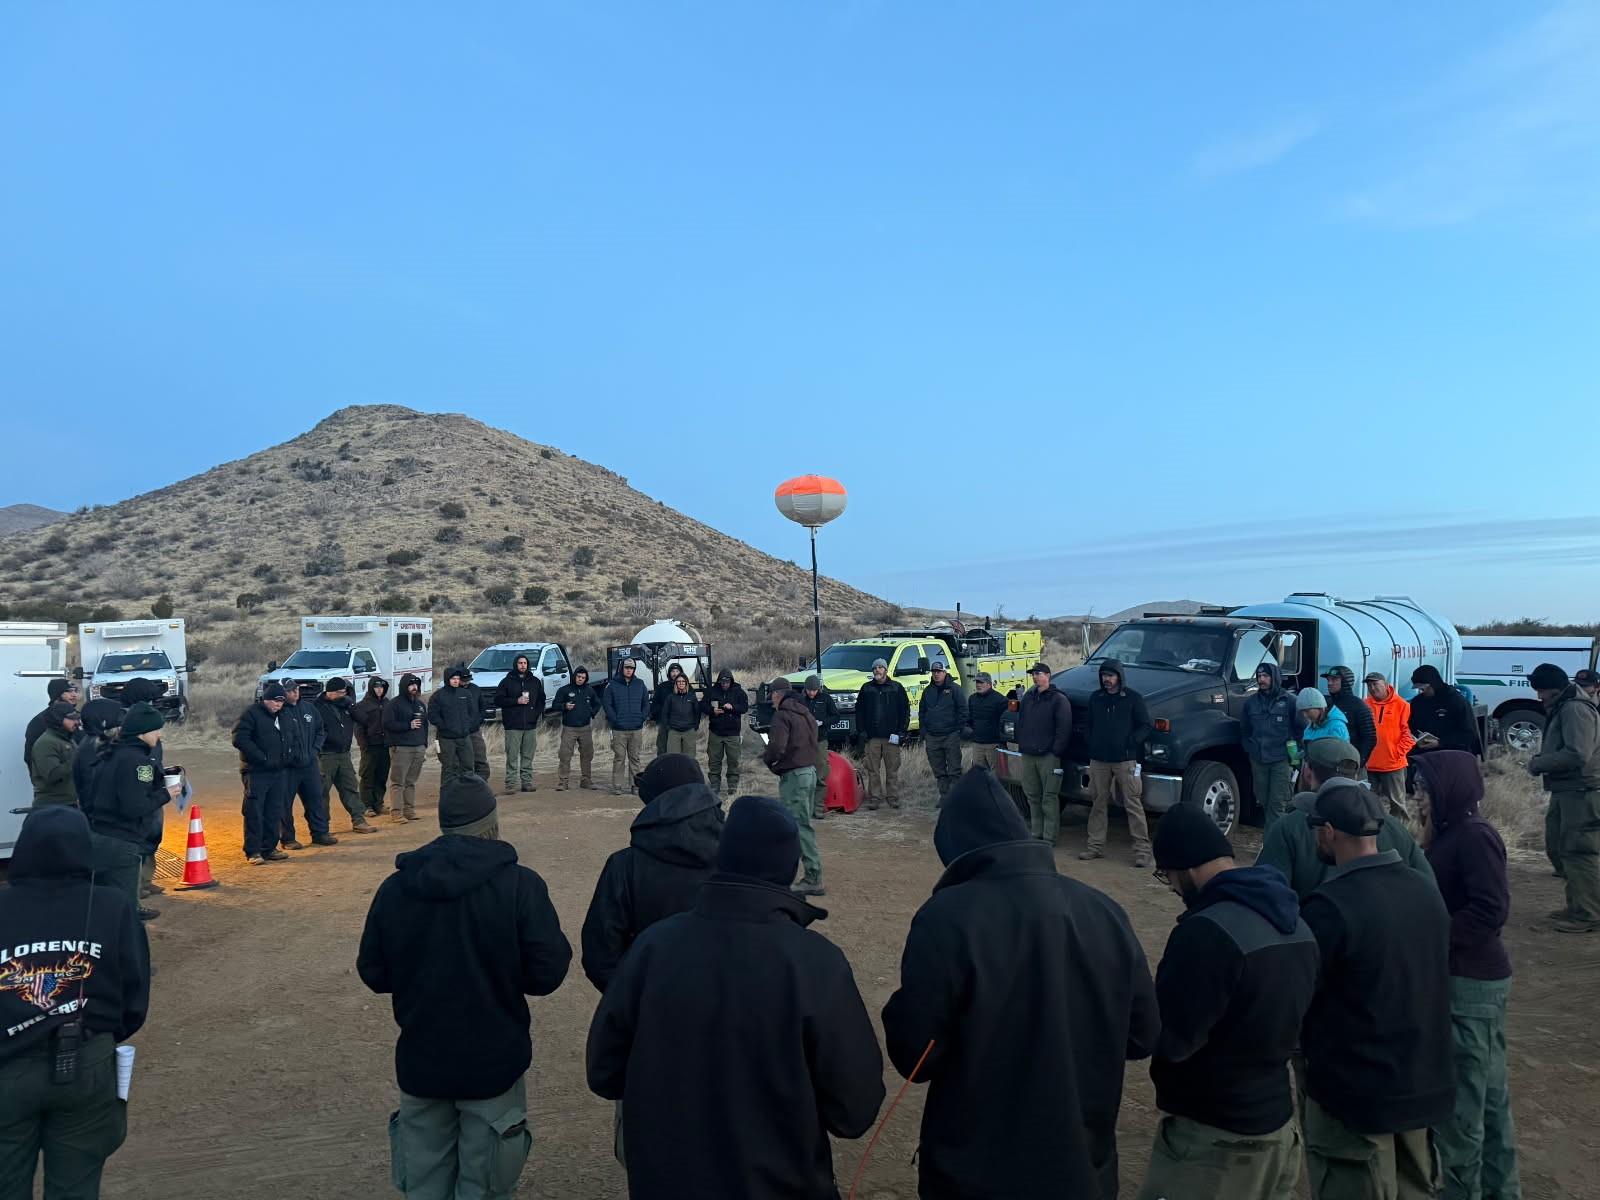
(1213, 787)
(1522, 730)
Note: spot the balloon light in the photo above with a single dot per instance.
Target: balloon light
(812, 501)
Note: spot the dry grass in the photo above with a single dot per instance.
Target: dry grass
(1515, 803)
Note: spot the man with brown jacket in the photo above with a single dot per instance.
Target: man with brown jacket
(791, 755)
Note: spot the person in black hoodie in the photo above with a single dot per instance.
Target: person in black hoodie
(1044, 730)
(658, 701)
(73, 956)
(303, 734)
(1340, 689)
(1377, 1038)
(578, 704)
(735, 1036)
(262, 741)
(986, 715)
(1022, 993)
(374, 742)
(724, 705)
(335, 712)
(1234, 985)
(1478, 1145)
(455, 712)
(1119, 722)
(680, 717)
(129, 789)
(405, 724)
(459, 935)
(520, 699)
(883, 716)
(1440, 715)
(102, 724)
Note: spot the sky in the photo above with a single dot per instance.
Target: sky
(1086, 305)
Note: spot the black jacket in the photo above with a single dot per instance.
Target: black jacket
(882, 709)
(456, 712)
(986, 714)
(664, 689)
(1469, 865)
(261, 739)
(520, 716)
(129, 790)
(1377, 1038)
(1044, 722)
(737, 1041)
(1358, 717)
(725, 724)
(680, 713)
(585, 704)
(1446, 714)
(672, 850)
(86, 760)
(65, 943)
(1002, 936)
(942, 711)
(460, 934)
(1234, 985)
(302, 732)
(1119, 721)
(368, 713)
(400, 710)
(337, 718)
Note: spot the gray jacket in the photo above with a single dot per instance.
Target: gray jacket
(1569, 759)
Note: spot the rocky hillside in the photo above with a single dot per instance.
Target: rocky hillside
(15, 518)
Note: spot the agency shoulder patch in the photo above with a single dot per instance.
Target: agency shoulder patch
(145, 772)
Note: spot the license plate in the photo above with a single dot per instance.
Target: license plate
(840, 726)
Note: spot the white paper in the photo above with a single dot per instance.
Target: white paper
(124, 1071)
(1136, 770)
(894, 739)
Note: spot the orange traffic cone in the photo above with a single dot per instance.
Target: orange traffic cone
(196, 863)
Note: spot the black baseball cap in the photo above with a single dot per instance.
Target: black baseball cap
(1037, 667)
(1348, 807)
(1586, 678)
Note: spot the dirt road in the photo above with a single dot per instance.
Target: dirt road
(265, 1070)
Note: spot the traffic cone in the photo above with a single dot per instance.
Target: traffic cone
(196, 863)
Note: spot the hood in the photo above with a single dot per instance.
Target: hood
(407, 680)
(580, 670)
(343, 703)
(102, 714)
(379, 685)
(1111, 666)
(1275, 671)
(978, 812)
(1455, 785)
(1427, 673)
(794, 702)
(457, 669)
(53, 844)
(725, 676)
(451, 865)
(55, 717)
(681, 826)
(1261, 889)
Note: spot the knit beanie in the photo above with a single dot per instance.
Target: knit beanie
(665, 773)
(759, 841)
(1187, 837)
(57, 714)
(101, 714)
(58, 688)
(337, 684)
(1310, 698)
(467, 806)
(1548, 677)
(141, 718)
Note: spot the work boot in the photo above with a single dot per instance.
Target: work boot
(1085, 855)
(291, 845)
(530, 787)
(255, 860)
(1565, 924)
(586, 785)
(275, 856)
(808, 887)
(324, 839)
(148, 914)
(872, 806)
(412, 817)
(1141, 859)
(396, 817)
(820, 814)
(561, 785)
(894, 801)
(362, 827)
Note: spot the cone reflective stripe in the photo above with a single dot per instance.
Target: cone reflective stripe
(196, 862)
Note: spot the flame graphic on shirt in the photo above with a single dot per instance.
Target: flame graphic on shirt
(40, 985)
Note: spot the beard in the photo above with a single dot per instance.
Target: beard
(1326, 858)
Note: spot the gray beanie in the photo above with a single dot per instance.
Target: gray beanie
(1310, 698)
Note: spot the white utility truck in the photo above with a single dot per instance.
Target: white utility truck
(32, 653)
(356, 649)
(1496, 668)
(115, 653)
(547, 660)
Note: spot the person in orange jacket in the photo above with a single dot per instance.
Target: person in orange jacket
(1386, 766)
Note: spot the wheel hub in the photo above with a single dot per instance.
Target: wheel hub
(1218, 803)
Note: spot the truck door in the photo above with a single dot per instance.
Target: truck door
(364, 667)
(911, 670)
(1255, 646)
(555, 669)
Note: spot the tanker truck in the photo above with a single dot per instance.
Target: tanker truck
(1195, 673)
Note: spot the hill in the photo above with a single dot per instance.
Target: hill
(17, 518)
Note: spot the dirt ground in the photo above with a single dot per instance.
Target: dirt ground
(265, 1070)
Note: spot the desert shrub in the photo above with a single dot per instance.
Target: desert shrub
(402, 558)
(630, 586)
(339, 604)
(247, 601)
(452, 509)
(162, 608)
(242, 648)
(221, 614)
(512, 542)
(56, 543)
(535, 595)
(264, 571)
(326, 559)
(574, 596)
(500, 594)
(545, 454)
(583, 556)
(448, 534)
(391, 602)
(494, 501)
(366, 564)
(65, 612)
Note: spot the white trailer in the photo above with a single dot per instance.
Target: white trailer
(115, 653)
(357, 649)
(1496, 668)
(31, 654)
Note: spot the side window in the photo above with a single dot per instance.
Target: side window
(1254, 649)
(416, 641)
(933, 652)
(550, 664)
(907, 663)
(365, 662)
(400, 643)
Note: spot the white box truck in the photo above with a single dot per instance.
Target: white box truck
(31, 654)
(1495, 666)
(356, 648)
(115, 653)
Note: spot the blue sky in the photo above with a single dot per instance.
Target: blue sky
(1086, 305)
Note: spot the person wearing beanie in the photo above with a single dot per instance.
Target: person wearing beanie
(303, 735)
(520, 699)
(1388, 762)
(724, 705)
(59, 691)
(1568, 764)
(1267, 724)
(826, 711)
(1234, 985)
(1477, 1146)
(336, 713)
(1340, 688)
(986, 715)
(1318, 719)
(1119, 723)
(261, 736)
(1441, 717)
(456, 711)
(102, 724)
(577, 703)
(1377, 1043)
(1025, 1074)
(736, 1006)
(129, 790)
(883, 718)
(1290, 845)
(791, 755)
(51, 767)
(459, 936)
(373, 739)
(941, 718)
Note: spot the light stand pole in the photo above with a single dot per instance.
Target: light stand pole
(816, 603)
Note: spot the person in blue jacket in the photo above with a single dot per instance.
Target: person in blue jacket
(1318, 718)
(627, 705)
(1266, 727)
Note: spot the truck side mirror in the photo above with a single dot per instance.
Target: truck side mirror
(77, 672)
(273, 665)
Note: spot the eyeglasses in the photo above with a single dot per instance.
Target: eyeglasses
(1160, 876)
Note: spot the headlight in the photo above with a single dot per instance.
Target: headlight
(846, 703)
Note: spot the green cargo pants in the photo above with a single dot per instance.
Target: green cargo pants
(682, 741)
(1580, 851)
(445, 1149)
(881, 758)
(455, 758)
(944, 760)
(1041, 786)
(75, 1126)
(1478, 1146)
(521, 746)
(339, 772)
(1191, 1160)
(480, 755)
(1104, 779)
(796, 789)
(1273, 784)
(724, 749)
(1552, 832)
(581, 738)
(819, 797)
(1346, 1165)
(405, 768)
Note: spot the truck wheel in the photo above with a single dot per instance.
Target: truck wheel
(1522, 730)
(1213, 787)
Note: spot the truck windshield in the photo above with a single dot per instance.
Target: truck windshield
(502, 661)
(317, 660)
(144, 660)
(1183, 647)
(847, 657)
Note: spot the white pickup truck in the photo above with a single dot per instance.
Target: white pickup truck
(547, 660)
(357, 649)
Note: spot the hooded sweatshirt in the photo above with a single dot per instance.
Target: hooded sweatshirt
(400, 710)
(1119, 722)
(1290, 846)
(368, 714)
(1569, 757)
(725, 691)
(456, 712)
(663, 690)
(1333, 726)
(792, 739)
(1446, 714)
(672, 851)
(1391, 720)
(459, 935)
(129, 791)
(520, 716)
(1357, 716)
(1003, 936)
(60, 943)
(338, 723)
(585, 704)
(1267, 721)
(1469, 864)
(1234, 985)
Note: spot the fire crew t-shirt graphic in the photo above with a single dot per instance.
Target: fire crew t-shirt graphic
(40, 972)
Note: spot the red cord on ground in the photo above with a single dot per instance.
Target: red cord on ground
(893, 1104)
